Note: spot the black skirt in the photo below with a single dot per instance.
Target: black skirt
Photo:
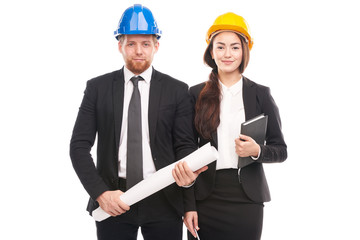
(228, 214)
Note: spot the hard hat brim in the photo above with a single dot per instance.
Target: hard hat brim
(216, 28)
(117, 34)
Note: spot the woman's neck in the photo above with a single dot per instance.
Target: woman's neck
(229, 79)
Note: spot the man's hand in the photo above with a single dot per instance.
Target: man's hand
(110, 202)
(184, 176)
(191, 222)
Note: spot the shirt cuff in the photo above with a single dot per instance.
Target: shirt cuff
(256, 158)
(190, 185)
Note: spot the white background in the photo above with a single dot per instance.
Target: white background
(306, 51)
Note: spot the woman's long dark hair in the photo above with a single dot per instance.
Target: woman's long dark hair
(207, 108)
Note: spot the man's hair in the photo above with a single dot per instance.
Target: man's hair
(121, 39)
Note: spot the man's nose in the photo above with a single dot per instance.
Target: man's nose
(138, 49)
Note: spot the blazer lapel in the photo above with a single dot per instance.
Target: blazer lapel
(214, 138)
(154, 100)
(118, 100)
(249, 98)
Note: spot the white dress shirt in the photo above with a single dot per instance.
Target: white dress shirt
(232, 114)
(144, 88)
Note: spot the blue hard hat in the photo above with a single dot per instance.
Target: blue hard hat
(137, 20)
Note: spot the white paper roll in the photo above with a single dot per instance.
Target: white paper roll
(162, 178)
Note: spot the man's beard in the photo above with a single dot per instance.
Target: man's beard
(137, 67)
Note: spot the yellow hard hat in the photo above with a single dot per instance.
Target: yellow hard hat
(230, 21)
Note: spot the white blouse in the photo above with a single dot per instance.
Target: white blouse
(232, 114)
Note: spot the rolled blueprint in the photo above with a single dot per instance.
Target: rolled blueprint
(162, 178)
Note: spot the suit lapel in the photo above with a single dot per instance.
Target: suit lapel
(249, 98)
(154, 100)
(118, 100)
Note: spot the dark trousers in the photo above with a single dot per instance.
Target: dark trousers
(228, 213)
(154, 215)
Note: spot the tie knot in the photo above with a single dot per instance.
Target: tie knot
(136, 79)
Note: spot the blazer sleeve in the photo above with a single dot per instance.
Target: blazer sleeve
(189, 193)
(82, 140)
(275, 149)
(184, 142)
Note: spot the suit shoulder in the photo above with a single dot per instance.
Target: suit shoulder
(169, 79)
(107, 77)
(196, 89)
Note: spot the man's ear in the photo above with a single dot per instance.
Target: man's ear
(157, 46)
(121, 42)
(120, 47)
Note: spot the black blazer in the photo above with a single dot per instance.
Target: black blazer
(257, 99)
(170, 128)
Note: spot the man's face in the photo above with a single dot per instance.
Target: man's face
(138, 52)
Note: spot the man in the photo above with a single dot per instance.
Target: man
(143, 122)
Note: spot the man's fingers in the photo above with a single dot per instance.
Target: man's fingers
(196, 224)
(124, 207)
(177, 170)
(203, 169)
(180, 175)
(182, 169)
(186, 222)
(183, 175)
(187, 169)
(190, 226)
(177, 180)
(193, 175)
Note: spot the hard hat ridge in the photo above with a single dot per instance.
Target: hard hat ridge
(137, 19)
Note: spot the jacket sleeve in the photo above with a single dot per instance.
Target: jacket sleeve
(82, 140)
(188, 193)
(184, 142)
(275, 149)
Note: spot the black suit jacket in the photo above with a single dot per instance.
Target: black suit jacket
(170, 129)
(257, 99)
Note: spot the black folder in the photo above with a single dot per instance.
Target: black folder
(256, 129)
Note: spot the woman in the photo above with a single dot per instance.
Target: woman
(227, 202)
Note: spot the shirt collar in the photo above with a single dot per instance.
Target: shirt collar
(234, 89)
(146, 75)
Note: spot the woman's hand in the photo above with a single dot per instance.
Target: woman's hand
(191, 222)
(245, 146)
(184, 176)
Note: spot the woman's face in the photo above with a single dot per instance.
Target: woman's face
(227, 52)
